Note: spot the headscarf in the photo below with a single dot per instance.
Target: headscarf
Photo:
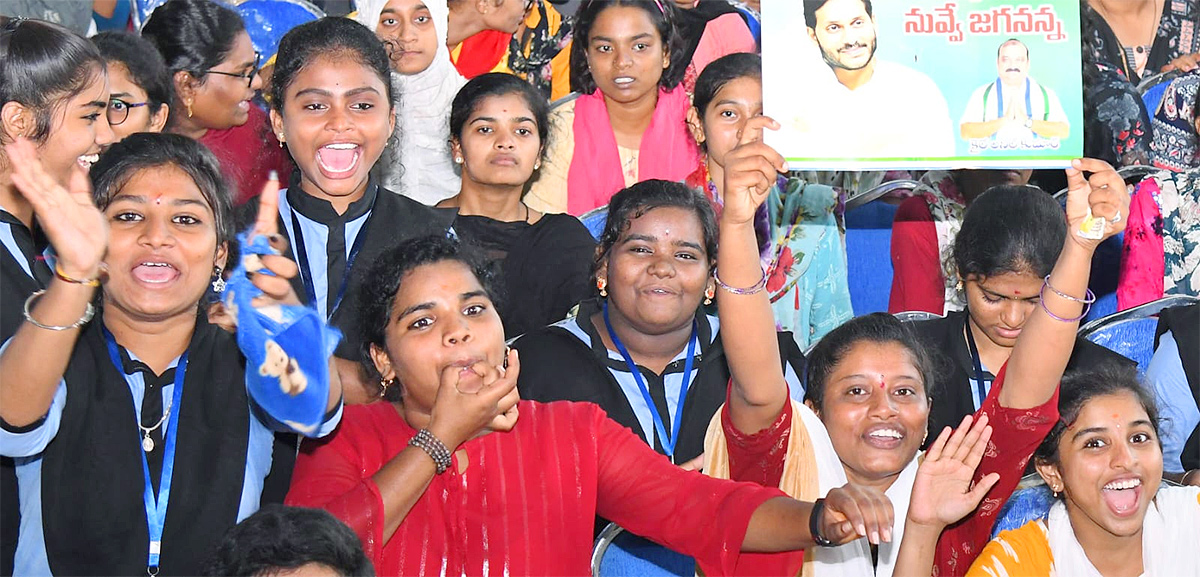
(417, 162)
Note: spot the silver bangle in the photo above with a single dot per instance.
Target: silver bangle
(83, 320)
(434, 447)
(757, 288)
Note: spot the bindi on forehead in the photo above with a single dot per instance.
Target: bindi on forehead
(882, 383)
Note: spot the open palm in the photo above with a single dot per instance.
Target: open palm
(77, 230)
(942, 493)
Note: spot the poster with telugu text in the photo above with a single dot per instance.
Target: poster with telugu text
(923, 84)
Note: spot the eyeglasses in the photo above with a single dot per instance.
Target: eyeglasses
(118, 110)
(249, 76)
(529, 4)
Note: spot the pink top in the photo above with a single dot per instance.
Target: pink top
(526, 503)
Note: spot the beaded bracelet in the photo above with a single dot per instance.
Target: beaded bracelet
(1087, 304)
(757, 288)
(93, 282)
(426, 441)
(83, 320)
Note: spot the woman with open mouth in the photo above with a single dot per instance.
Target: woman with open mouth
(416, 162)
(646, 350)
(215, 72)
(456, 474)
(499, 128)
(628, 123)
(868, 395)
(332, 105)
(67, 143)
(1112, 514)
(95, 391)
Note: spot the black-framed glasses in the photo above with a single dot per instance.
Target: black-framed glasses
(249, 76)
(118, 110)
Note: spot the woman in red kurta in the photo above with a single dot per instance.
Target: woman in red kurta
(526, 479)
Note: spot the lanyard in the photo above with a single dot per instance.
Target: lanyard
(306, 273)
(1000, 100)
(156, 509)
(979, 386)
(667, 442)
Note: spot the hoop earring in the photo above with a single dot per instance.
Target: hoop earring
(218, 283)
(602, 285)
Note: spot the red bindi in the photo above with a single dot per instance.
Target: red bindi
(881, 383)
(158, 198)
(1018, 292)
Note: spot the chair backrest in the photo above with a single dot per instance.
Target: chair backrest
(142, 9)
(1026, 504)
(595, 220)
(268, 20)
(619, 553)
(1131, 331)
(1132, 174)
(913, 316)
(869, 256)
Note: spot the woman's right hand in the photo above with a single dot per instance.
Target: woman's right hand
(77, 230)
(852, 512)
(459, 415)
(942, 493)
(1103, 194)
(750, 171)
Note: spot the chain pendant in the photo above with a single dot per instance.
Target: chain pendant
(147, 443)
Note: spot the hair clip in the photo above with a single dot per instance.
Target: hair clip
(660, 7)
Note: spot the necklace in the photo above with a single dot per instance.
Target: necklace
(1134, 56)
(147, 442)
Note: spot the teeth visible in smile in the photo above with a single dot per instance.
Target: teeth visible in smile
(158, 264)
(623, 80)
(889, 433)
(1127, 484)
(89, 159)
(341, 146)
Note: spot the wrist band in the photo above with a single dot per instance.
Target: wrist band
(1089, 296)
(94, 282)
(814, 524)
(1087, 305)
(83, 320)
(434, 447)
(1184, 479)
(757, 288)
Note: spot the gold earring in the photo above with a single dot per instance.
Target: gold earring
(602, 285)
(383, 386)
(280, 139)
(709, 293)
(188, 103)
(458, 160)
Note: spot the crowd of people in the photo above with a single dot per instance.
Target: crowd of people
(404, 353)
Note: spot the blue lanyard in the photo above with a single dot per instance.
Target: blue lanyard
(668, 443)
(1000, 100)
(979, 382)
(306, 274)
(156, 509)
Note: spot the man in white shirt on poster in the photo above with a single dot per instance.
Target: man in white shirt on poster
(867, 108)
(1015, 110)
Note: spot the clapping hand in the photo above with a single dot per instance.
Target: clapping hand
(750, 171)
(77, 230)
(942, 493)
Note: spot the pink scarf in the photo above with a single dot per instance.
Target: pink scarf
(667, 151)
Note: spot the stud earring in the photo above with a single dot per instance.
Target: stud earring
(458, 160)
(280, 139)
(602, 285)
(958, 286)
(709, 293)
(218, 283)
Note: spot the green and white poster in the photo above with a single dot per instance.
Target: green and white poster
(918, 84)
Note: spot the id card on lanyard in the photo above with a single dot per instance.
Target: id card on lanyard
(981, 385)
(668, 442)
(156, 508)
(306, 274)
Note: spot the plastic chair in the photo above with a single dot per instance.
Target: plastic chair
(1131, 332)
(1132, 174)
(268, 20)
(1152, 89)
(1029, 503)
(142, 9)
(869, 256)
(913, 316)
(619, 553)
(595, 220)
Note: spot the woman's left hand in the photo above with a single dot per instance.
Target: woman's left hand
(1185, 63)
(1103, 195)
(942, 493)
(277, 290)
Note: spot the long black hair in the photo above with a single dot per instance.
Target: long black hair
(193, 35)
(333, 37)
(42, 65)
(662, 13)
(1010, 229)
(138, 152)
(498, 84)
(277, 539)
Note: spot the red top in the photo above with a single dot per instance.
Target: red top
(527, 501)
(1016, 433)
(917, 283)
(248, 153)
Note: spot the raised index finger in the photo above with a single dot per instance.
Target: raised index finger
(268, 208)
(753, 131)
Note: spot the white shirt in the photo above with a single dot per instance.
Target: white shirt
(984, 103)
